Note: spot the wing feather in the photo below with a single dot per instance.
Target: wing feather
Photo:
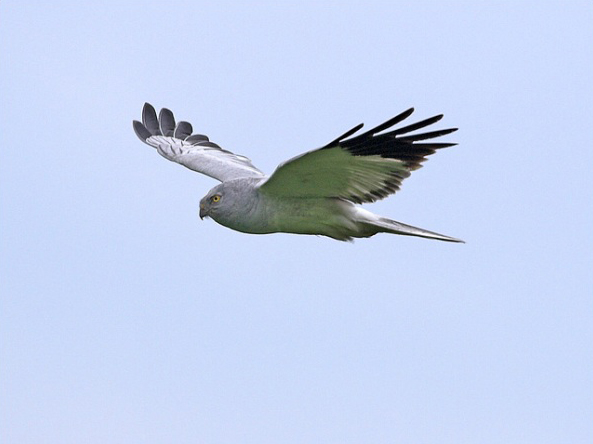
(183, 130)
(196, 152)
(363, 168)
(166, 122)
(150, 121)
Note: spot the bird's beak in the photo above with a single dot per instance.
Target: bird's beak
(203, 212)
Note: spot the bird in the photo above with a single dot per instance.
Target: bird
(315, 193)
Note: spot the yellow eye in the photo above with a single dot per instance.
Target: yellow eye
(215, 198)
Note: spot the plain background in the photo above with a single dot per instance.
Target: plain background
(125, 319)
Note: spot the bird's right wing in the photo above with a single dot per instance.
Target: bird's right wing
(175, 142)
(363, 168)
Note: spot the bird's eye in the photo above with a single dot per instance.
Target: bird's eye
(215, 198)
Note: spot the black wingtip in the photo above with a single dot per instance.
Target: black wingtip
(389, 123)
(141, 131)
(416, 126)
(434, 145)
(343, 136)
(183, 130)
(167, 122)
(407, 113)
(148, 109)
(150, 120)
(428, 135)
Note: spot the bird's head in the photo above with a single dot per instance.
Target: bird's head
(212, 202)
(234, 204)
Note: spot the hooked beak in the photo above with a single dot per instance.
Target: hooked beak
(203, 212)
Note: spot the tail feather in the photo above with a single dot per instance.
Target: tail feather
(371, 224)
(392, 226)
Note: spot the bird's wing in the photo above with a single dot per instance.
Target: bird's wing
(362, 168)
(175, 142)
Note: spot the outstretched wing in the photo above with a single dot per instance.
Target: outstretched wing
(175, 142)
(363, 168)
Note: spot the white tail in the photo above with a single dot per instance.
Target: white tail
(385, 225)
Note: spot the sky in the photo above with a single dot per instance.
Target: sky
(124, 318)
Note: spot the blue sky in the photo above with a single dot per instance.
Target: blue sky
(127, 319)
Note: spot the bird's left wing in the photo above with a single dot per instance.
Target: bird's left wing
(363, 168)
(175, 142)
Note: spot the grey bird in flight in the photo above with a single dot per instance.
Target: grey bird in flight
(313, 193)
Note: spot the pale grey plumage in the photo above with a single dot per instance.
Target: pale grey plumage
(314, 193)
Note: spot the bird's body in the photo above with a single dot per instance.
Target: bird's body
(251, 211)
(314, 193)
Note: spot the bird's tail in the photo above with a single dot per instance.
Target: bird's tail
(374, 224)
(392, 226)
